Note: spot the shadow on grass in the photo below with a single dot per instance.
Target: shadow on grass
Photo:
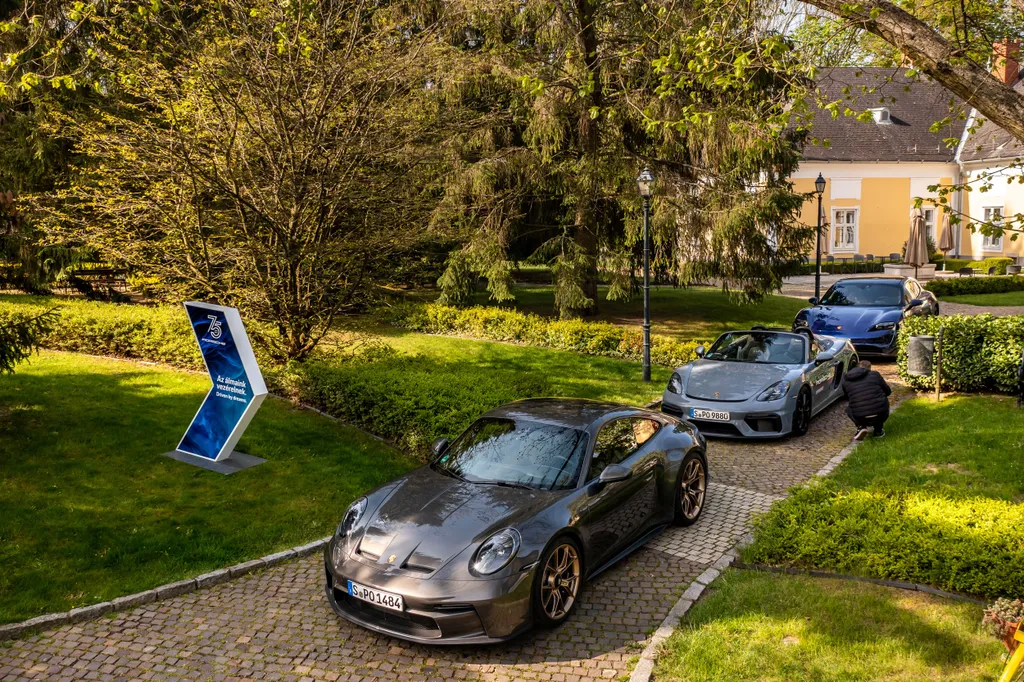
(800, 628)
(90, 510)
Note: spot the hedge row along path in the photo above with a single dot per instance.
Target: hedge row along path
(276, 625)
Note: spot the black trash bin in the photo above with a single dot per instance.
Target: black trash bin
(920, 356)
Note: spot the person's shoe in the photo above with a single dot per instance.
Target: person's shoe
(860, 435)
(879, 433)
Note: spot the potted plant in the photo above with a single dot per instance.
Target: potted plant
(1002, 619)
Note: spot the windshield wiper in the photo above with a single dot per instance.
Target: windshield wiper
(505, 484)
(445, 470)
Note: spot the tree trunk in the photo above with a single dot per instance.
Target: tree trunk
(936, 57)
(590, 147)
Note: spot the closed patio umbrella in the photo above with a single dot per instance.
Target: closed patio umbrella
(917, 244)
(946, 238)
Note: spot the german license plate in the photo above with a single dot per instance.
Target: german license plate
(710, 415)
(377, 597)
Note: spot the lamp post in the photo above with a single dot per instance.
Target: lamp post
(819, 188)
(643, 185)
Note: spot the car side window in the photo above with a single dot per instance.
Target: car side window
(615, 442)
(907, 294)
(915, 290)
(643, 429)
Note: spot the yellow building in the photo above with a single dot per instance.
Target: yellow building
(875, 171)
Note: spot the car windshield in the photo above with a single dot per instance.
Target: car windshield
(863, 293)
(516, 452)
(763, 347)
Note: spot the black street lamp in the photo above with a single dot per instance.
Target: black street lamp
(643, 185)
(819, 188)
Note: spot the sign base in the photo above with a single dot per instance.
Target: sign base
(236, 461)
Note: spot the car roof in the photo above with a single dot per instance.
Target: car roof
(571, 412)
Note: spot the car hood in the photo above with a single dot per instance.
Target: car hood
(849, 320)
(734, 381)
(429, 518)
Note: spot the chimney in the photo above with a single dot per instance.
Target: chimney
(1005, 61)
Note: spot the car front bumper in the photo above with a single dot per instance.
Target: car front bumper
(747, 419)
(436, 611)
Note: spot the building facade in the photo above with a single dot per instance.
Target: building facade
(876, 171)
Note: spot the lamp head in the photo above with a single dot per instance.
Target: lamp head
(644, 182)
(819, 184)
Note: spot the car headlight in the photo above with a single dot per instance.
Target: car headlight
(352, 515)
(882, 326)
(774, 392)
(675, 384)
(496, 551)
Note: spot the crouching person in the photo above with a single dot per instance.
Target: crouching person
(868, 397)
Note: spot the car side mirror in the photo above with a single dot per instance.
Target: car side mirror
(915, 303)
(439, 446)
(613, 473)
(822, 358)
(699, 351)
(813, 300)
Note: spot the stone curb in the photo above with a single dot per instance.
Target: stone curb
(899, 584)
(53, 620)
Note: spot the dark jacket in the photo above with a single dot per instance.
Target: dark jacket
(867, 392)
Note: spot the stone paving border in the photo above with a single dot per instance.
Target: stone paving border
(130, 601)
(899, 584)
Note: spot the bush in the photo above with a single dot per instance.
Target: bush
(973, 545)
(979, 352)
(501, 324)
(159, 334)
(954, 264)
(841, 268)
(960, 286)
(411, 400)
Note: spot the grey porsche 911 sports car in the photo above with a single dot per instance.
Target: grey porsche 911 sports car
(506, 524)
(759, 383)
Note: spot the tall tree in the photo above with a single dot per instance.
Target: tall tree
(590, 91)
(268, 154)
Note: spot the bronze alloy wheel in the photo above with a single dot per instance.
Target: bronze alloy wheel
(693, 486)
(560, 581)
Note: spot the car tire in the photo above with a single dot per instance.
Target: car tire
(549, 591)
(802, 413)
(691, 489)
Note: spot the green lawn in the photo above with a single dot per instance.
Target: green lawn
(938, 501)
(685, 314)
(90, 510)
(566, 373)
(756, 626)
(1006, 298)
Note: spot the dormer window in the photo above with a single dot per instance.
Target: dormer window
(881, 115)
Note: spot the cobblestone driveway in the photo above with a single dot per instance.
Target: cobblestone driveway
(276, 625)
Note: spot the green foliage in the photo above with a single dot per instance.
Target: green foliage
(842, 268)
(937, 502)
(960, 286)
(412, 400)
(500, 324)
(979, 352)
(158, 334)
(20, 334)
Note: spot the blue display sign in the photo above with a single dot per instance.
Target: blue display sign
(238, 387)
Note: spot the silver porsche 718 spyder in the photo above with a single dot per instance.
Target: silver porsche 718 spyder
(759, 383)
(503, 528)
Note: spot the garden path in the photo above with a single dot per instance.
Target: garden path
(276, 624)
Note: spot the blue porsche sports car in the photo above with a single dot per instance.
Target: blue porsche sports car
(868, 311)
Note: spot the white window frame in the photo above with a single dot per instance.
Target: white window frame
(856, 231)
(930, 226)
(991, 244)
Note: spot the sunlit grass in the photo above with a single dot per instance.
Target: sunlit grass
(1005, 298)
(90, 510)
(756, 626)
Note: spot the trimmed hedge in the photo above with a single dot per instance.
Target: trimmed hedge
(979, 352)
(954, 264)
(502, 324)
(158, 334)
(960, 286)
(842, 268)
(410, 400)
(974, 545)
